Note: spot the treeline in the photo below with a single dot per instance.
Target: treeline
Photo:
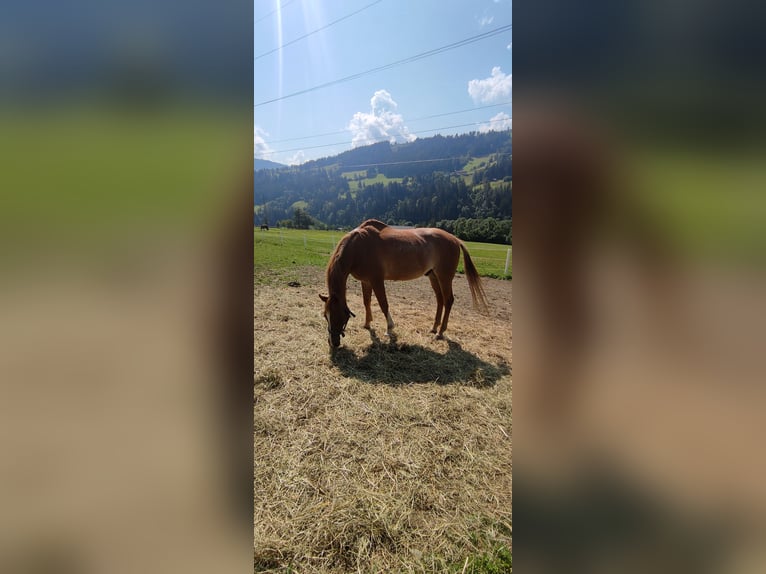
(488, 230)
(302, 220)
(421, 200)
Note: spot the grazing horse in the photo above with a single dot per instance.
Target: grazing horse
(264, 227)
(375, 252)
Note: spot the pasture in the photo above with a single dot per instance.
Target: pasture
(387, 455)
(285, 248)
(355, 184)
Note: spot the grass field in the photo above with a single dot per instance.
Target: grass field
(353, 174)
(354, 185)
(286, 248)
(473, 165)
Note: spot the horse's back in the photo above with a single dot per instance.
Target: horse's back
(378, 251)
(410, 253)
(446, 246)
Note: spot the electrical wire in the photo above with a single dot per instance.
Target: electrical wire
(274, 11)
(385, 139)
(409, 121)
(317, 30)
(408, 60)
(347, 167)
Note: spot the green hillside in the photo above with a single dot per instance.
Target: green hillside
(424, 182)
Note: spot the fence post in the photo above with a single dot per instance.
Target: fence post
(507, 261)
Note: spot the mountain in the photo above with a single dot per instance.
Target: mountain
(266, 164)
(425, 182)
(436, 153)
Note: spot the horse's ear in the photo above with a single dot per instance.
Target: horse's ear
(349, 312)
(323, 297)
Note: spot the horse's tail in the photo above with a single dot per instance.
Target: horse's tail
(474, 281)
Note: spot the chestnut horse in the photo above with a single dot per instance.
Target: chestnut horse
(375, 252)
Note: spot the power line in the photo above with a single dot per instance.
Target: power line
(409, 121)
(318, 29)
(348, 167)
(414, 58)
(380, 140)
(415, 161)
(383, 139)
(274, 11)
(459, 112)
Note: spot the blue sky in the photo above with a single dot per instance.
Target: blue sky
(387, 105)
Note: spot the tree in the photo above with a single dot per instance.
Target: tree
(301, 218)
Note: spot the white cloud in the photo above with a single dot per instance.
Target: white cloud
(262, 150)
(495, 89)
(509, 46)
(497, 123)
(382, 123)
(485, 20)
(297, 158)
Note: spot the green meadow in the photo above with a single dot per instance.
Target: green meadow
(281, 249)
(354, 184)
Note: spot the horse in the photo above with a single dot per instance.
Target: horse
(264, 227)
(375, 252)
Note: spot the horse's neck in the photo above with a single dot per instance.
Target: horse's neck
(337, 277)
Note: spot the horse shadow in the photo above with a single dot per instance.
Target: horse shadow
(395, 363)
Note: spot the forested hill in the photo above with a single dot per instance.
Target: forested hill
(425, 182)
(451, 150)
(266, 164)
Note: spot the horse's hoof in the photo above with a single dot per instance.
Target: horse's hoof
(367, 327)
(440, 336)
(433, 331)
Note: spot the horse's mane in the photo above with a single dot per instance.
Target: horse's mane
(336, 275)
(336, 271)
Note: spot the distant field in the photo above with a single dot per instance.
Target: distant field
(492, 184)
(354, 185)
(475, 163)
(352, 174)
(282, 249)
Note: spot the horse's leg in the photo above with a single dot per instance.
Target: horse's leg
(449, 299)
(380, 293)
(367, 297)
(439, 299)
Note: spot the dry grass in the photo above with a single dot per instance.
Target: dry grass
(386, 455)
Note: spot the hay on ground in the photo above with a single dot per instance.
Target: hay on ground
(385, 455)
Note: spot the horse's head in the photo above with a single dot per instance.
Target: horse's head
(337, 314)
